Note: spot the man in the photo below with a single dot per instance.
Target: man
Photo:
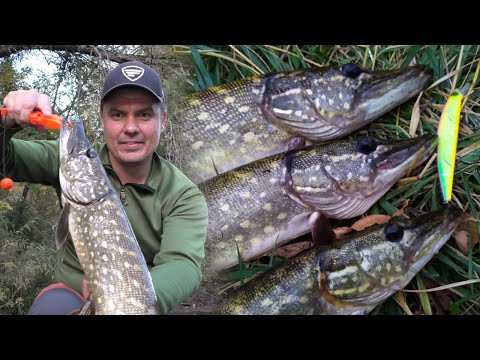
(168, 213)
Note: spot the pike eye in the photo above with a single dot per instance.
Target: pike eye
(393, 232)
(366, 145)
(351, 70)
(91, 153)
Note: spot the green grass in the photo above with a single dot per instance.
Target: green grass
(453, 66)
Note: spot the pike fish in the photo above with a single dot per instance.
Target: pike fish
(352, 275)
(118, 278)
(277, 199)
(227, 126)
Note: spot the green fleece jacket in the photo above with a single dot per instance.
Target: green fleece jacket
(168, 215)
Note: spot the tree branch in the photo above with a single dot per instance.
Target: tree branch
(91, 50)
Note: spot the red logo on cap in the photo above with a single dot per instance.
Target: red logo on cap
(132, 72)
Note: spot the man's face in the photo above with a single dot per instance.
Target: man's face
(132, 124)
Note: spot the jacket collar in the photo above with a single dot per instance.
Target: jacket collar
(152, 179)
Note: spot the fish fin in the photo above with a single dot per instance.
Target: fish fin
(322, 231)
(88, 308)
(214, 167)
(62, 227)
(85, 289)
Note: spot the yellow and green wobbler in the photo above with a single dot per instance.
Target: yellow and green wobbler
(447, 141)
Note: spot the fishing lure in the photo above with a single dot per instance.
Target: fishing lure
(447, 141)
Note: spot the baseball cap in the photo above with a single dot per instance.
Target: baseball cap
(134, 73)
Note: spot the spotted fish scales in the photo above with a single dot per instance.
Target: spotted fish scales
(118, 278)
(227, 126)
(276, 199)
(350, 276)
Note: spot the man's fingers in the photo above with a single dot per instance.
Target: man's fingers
(24, 116)
(20, 104)
(43, 104)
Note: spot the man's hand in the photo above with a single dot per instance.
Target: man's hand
(21, 103)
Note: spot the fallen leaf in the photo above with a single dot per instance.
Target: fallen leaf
(465, 231)
(370, 220)
(342, 231)
(473, 231)
(461, 238)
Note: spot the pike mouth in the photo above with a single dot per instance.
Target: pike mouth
(430, 236)
(394, 164)
(403, 151)
(384, 92)
(396, 84)
(65, 132)
(442, 221)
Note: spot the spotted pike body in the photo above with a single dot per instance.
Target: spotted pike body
(227, 126)
(274, 200)
(351, 276)
(118, 278)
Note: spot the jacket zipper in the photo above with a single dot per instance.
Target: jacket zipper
(123, 196)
